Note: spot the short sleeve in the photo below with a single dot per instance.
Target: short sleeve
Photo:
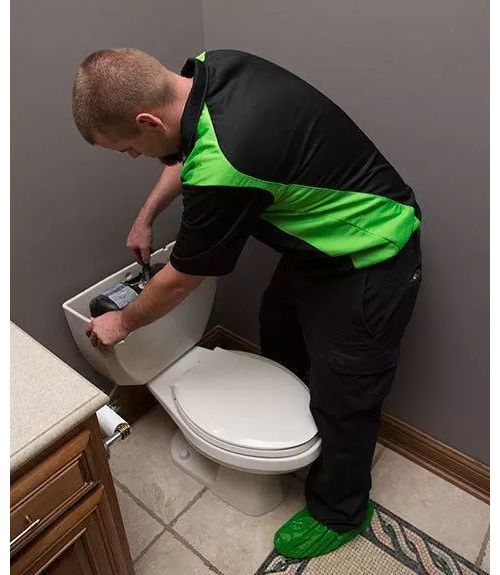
(215, 226)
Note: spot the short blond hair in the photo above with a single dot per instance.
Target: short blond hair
(112, 86)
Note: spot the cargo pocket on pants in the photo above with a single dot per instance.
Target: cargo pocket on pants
(365, 376)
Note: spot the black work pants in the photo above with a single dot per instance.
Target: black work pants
(341, 335)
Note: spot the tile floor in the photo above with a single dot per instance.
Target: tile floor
(176, 527)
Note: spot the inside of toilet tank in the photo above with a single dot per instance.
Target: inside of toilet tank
(80, 303)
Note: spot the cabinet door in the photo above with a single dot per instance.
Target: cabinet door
(82, 542)
(50, 488)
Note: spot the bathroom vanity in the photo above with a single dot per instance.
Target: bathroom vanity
(64, 514)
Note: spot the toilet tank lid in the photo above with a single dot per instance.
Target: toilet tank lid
(245, 401)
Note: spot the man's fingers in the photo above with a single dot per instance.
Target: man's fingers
(145, 254)
(104, 349)
(96, 342)
(88, 329)
(103, 332)
(137, 255)
(93, 339)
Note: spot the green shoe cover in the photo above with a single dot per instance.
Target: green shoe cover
(302, 536)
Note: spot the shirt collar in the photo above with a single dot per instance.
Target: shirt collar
(197, 70)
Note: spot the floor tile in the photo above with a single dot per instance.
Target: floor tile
(170, 556)
(143, 464)
(486, 560)
(140, 526)
(440, 509)
(232, 541)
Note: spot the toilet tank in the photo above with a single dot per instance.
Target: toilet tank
(151, 349)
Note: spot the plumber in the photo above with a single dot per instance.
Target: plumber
(255, 150)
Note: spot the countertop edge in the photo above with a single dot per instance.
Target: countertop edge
(44, 440)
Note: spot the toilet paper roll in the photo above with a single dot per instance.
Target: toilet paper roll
(108, 420)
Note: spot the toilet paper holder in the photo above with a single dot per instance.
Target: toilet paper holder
(113, 427)
(122, 432)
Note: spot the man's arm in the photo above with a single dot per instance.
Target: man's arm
(216, 223)
(167, 188)
(165, 291)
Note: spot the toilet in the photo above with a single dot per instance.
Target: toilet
(244, 423)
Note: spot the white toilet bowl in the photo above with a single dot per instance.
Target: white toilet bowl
(244, 421)
(252, 479)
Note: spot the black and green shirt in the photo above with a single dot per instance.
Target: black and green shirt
(268, 155)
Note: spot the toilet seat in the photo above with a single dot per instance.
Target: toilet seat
(234, 448)
(226, 393)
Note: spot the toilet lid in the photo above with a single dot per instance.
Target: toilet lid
(246, 403)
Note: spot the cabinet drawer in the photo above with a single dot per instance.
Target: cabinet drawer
(50, 488)
(82, 542)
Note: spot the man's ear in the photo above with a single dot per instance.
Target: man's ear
(145, 119)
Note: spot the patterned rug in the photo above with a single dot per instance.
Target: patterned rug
(391, 546)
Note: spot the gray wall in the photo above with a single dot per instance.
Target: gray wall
(72, 204)
(414, 76)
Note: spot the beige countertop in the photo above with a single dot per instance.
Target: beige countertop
(47, 397)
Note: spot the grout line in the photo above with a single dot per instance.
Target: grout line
(140, 503)
(149, 545)
(186, 543)
(188, 506)
(168, 527)
(482, 551)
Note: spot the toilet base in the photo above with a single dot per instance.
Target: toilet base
(252, 493)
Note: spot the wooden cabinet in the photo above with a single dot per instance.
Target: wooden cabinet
(65, 518)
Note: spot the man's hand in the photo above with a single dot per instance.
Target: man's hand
(140, 240)
(168, 187)
(165, 291)
(107, 330)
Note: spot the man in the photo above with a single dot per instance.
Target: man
(257, 151)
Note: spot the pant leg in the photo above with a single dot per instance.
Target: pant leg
(281, 337)
(353, 326)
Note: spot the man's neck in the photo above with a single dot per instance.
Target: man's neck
(173, 112)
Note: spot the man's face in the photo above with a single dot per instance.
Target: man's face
(148, 142)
